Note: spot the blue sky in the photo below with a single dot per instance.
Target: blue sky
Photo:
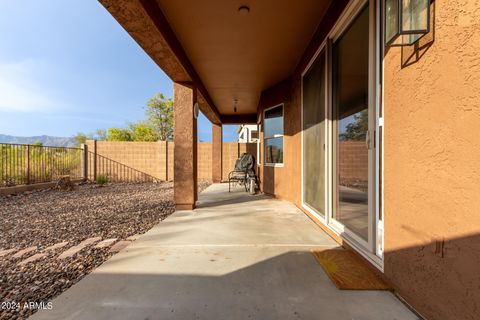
(68, 67)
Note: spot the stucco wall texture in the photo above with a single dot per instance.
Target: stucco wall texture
(431, 161)
(431, 168)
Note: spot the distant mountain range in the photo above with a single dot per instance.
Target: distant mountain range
(45, 140)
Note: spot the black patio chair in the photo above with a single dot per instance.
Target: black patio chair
(244, 172)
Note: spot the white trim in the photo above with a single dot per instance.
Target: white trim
(270, 108)
(279, 164)
(350, 14)
(346, 18)
(306, 206)
(366, 248)
(378, 64)
(259, 160)
(380, 128)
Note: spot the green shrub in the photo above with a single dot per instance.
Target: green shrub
(102, 179)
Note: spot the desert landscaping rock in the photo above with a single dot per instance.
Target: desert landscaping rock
(57, 246)
(105, 243)
(48, 219)
(33, 258)
(79, 247)
(6, 252)
(23, 252)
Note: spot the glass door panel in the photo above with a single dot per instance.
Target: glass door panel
(314, 136)
(350, 56)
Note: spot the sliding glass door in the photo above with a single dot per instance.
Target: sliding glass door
(338, 130)
(350, 91)
(314, 133)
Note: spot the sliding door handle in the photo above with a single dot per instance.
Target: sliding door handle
(367, 139)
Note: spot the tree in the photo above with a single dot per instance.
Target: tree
(357, 130)
(159, 112)
(101, 134)
(143, 131)
(157, 126)
(80, 138)
(119, 134)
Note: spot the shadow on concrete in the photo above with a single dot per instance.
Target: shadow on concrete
(242, 199)
(284, 286)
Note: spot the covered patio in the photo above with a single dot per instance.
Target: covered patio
(237, 256)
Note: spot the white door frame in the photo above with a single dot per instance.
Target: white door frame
(372, 250)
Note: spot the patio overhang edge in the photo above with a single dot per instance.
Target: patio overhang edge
(147, 25)
(240, 119)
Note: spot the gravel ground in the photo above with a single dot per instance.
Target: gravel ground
(48, 217)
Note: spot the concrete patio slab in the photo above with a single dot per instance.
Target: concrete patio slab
(120, 245)
(236, 257)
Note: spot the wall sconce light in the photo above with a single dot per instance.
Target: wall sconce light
(406, 21)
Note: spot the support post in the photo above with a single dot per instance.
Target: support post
(217, 143)
(84, 162)
(185, 149)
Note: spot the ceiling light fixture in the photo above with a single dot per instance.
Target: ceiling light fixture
(243, 10)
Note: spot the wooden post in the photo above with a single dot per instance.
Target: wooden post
(28, 164)
(95, 160)
(84, 162)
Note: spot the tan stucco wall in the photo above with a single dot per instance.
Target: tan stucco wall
(432, 157)
(283, 182)
(432, 171)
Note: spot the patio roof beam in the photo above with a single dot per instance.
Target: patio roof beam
(250, 118)
(146, 23)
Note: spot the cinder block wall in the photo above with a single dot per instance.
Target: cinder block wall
(353, 162)
(123, 159)
(204, 162)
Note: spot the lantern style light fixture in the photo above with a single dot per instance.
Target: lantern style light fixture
(406, 21)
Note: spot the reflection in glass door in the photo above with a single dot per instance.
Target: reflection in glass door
(314, 136)
(350, 56)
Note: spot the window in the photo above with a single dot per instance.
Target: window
(273, 130)
(314, 135)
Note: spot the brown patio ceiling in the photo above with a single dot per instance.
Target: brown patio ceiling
(228, 55)
(239, 55)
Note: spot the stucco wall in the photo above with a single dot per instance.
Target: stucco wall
(283, 182)
(432, 172)
(432, 157)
